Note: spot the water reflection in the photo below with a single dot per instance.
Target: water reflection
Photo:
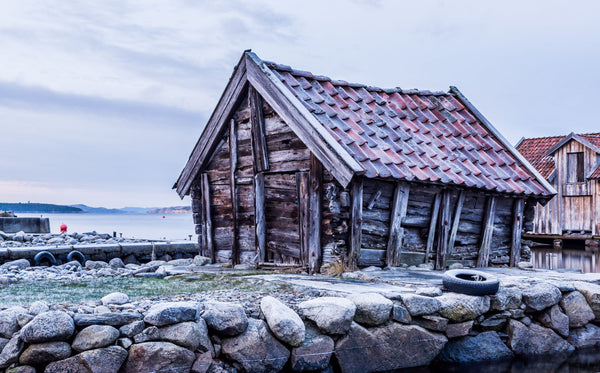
(586, 261)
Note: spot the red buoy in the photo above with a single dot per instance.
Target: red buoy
(63, 228)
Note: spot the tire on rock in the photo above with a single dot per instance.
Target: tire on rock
(76, 255)
(470, 282)
(44, 258)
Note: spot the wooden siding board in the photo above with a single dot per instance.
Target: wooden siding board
(356, 223)
(486, 235)
(399, 209)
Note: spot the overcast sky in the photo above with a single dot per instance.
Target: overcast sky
(101, 102)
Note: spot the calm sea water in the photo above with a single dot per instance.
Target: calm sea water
(150, 226)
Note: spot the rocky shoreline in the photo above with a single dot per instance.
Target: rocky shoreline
(22, 239)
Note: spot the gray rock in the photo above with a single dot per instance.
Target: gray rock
(541, 296)
(44, 353)
(95, 264)
(201, 260)
(525, 265)
(419, 305)
(535, 340)
(116, 263)
(314, 354)
(95, 336)
(496, 322)
(180, 262)
(485, 346)
(47, 327)
(189, 334)
(506, 298)
(459, 329)
(101, 309)
(431, 322)
(429, 291)
(38, 307)
(372, 309)
(10, 353)
(460, 307)
(577, 308)
(113, 318)
(3, 342)
(147, 335)
(586, 337)
(9, 322)
(17, 264)
(158, 357)
(131, 329)
(285, 324)
(591, 292)
(256, 349)
(456, 266)
(244, 267)
(23, 319)
(102, 360)
(21, 369)
(203, 363)
(332, 315)
(376, 349)
(401, 314)
(556, 320)
(171, 313)
(115, 298)
(124, 342)
(225, 319)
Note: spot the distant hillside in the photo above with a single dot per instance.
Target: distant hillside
(171, 210)
(98, 210)
(38, 207)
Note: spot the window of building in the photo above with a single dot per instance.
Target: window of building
(575, 168)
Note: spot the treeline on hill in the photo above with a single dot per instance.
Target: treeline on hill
(37, 207)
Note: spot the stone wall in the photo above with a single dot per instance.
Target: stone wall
(27, 225)
(357, 333)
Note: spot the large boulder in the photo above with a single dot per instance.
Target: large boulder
(9, 323)
(225, 319)
(577, 308)
(95, 336)
(108, 318)
(460, 307)
(471, 349)
(10, 353)
(191, 335)
(535, 340)
(256, 350)
(101, 360)
(332, 315)
(591, 292)
(372, 309)
(47, 327)
(506, 298)
(283, 321)
(131, 329)
(420, 305)
(378, 349)
(158, 357)
(115, 298)
(314, 353)
(555, 319)
(586, 337)
(171, 313)
(540, 296)
(44, 353)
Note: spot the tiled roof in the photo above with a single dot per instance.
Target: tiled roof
(411, 134)
(596, 173)
(535, 151)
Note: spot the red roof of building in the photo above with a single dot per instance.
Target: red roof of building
(535, 150)
(411, 134)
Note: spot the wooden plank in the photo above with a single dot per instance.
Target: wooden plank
(234, 200)
(373, 199)
(257, 122)
(355, 224)
(399, 208)
(259, 216)
(486, 235)
(515, 247)
(207, 220)
(302, 183)
(456, 221)
(432, 225)
(443, 231)
(314, 225)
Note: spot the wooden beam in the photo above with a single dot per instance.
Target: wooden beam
(259, 216)
(302, 184)
(233, 190)
(432, 225)
(443, 228)
(487, 232)
(373, 199)
(207, 229)
(314, 227)
(517, 228)
(355, 224)
(399, 208)
(257, 123)
(456, 221)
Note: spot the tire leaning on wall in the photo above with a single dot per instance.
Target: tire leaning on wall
(76, 255)
(470, 282)
(44, 257)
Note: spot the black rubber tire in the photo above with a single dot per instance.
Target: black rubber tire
(462, 281)
(76, 255)
(43, 257)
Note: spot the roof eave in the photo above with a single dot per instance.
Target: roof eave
(569, 137)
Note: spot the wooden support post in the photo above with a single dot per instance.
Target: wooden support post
(302, 184)
(487, 232)
(443, 231)
(233, 189)
(207, 229)
(356, 224)
(517, 227)
(432, 226)
(314, 224)
(257, 123)
(399, 208)
(259, 216)
(456, 222)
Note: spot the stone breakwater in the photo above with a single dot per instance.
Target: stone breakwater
(359, 332)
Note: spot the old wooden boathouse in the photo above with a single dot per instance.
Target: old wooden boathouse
(571, 164)
(295, 168)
